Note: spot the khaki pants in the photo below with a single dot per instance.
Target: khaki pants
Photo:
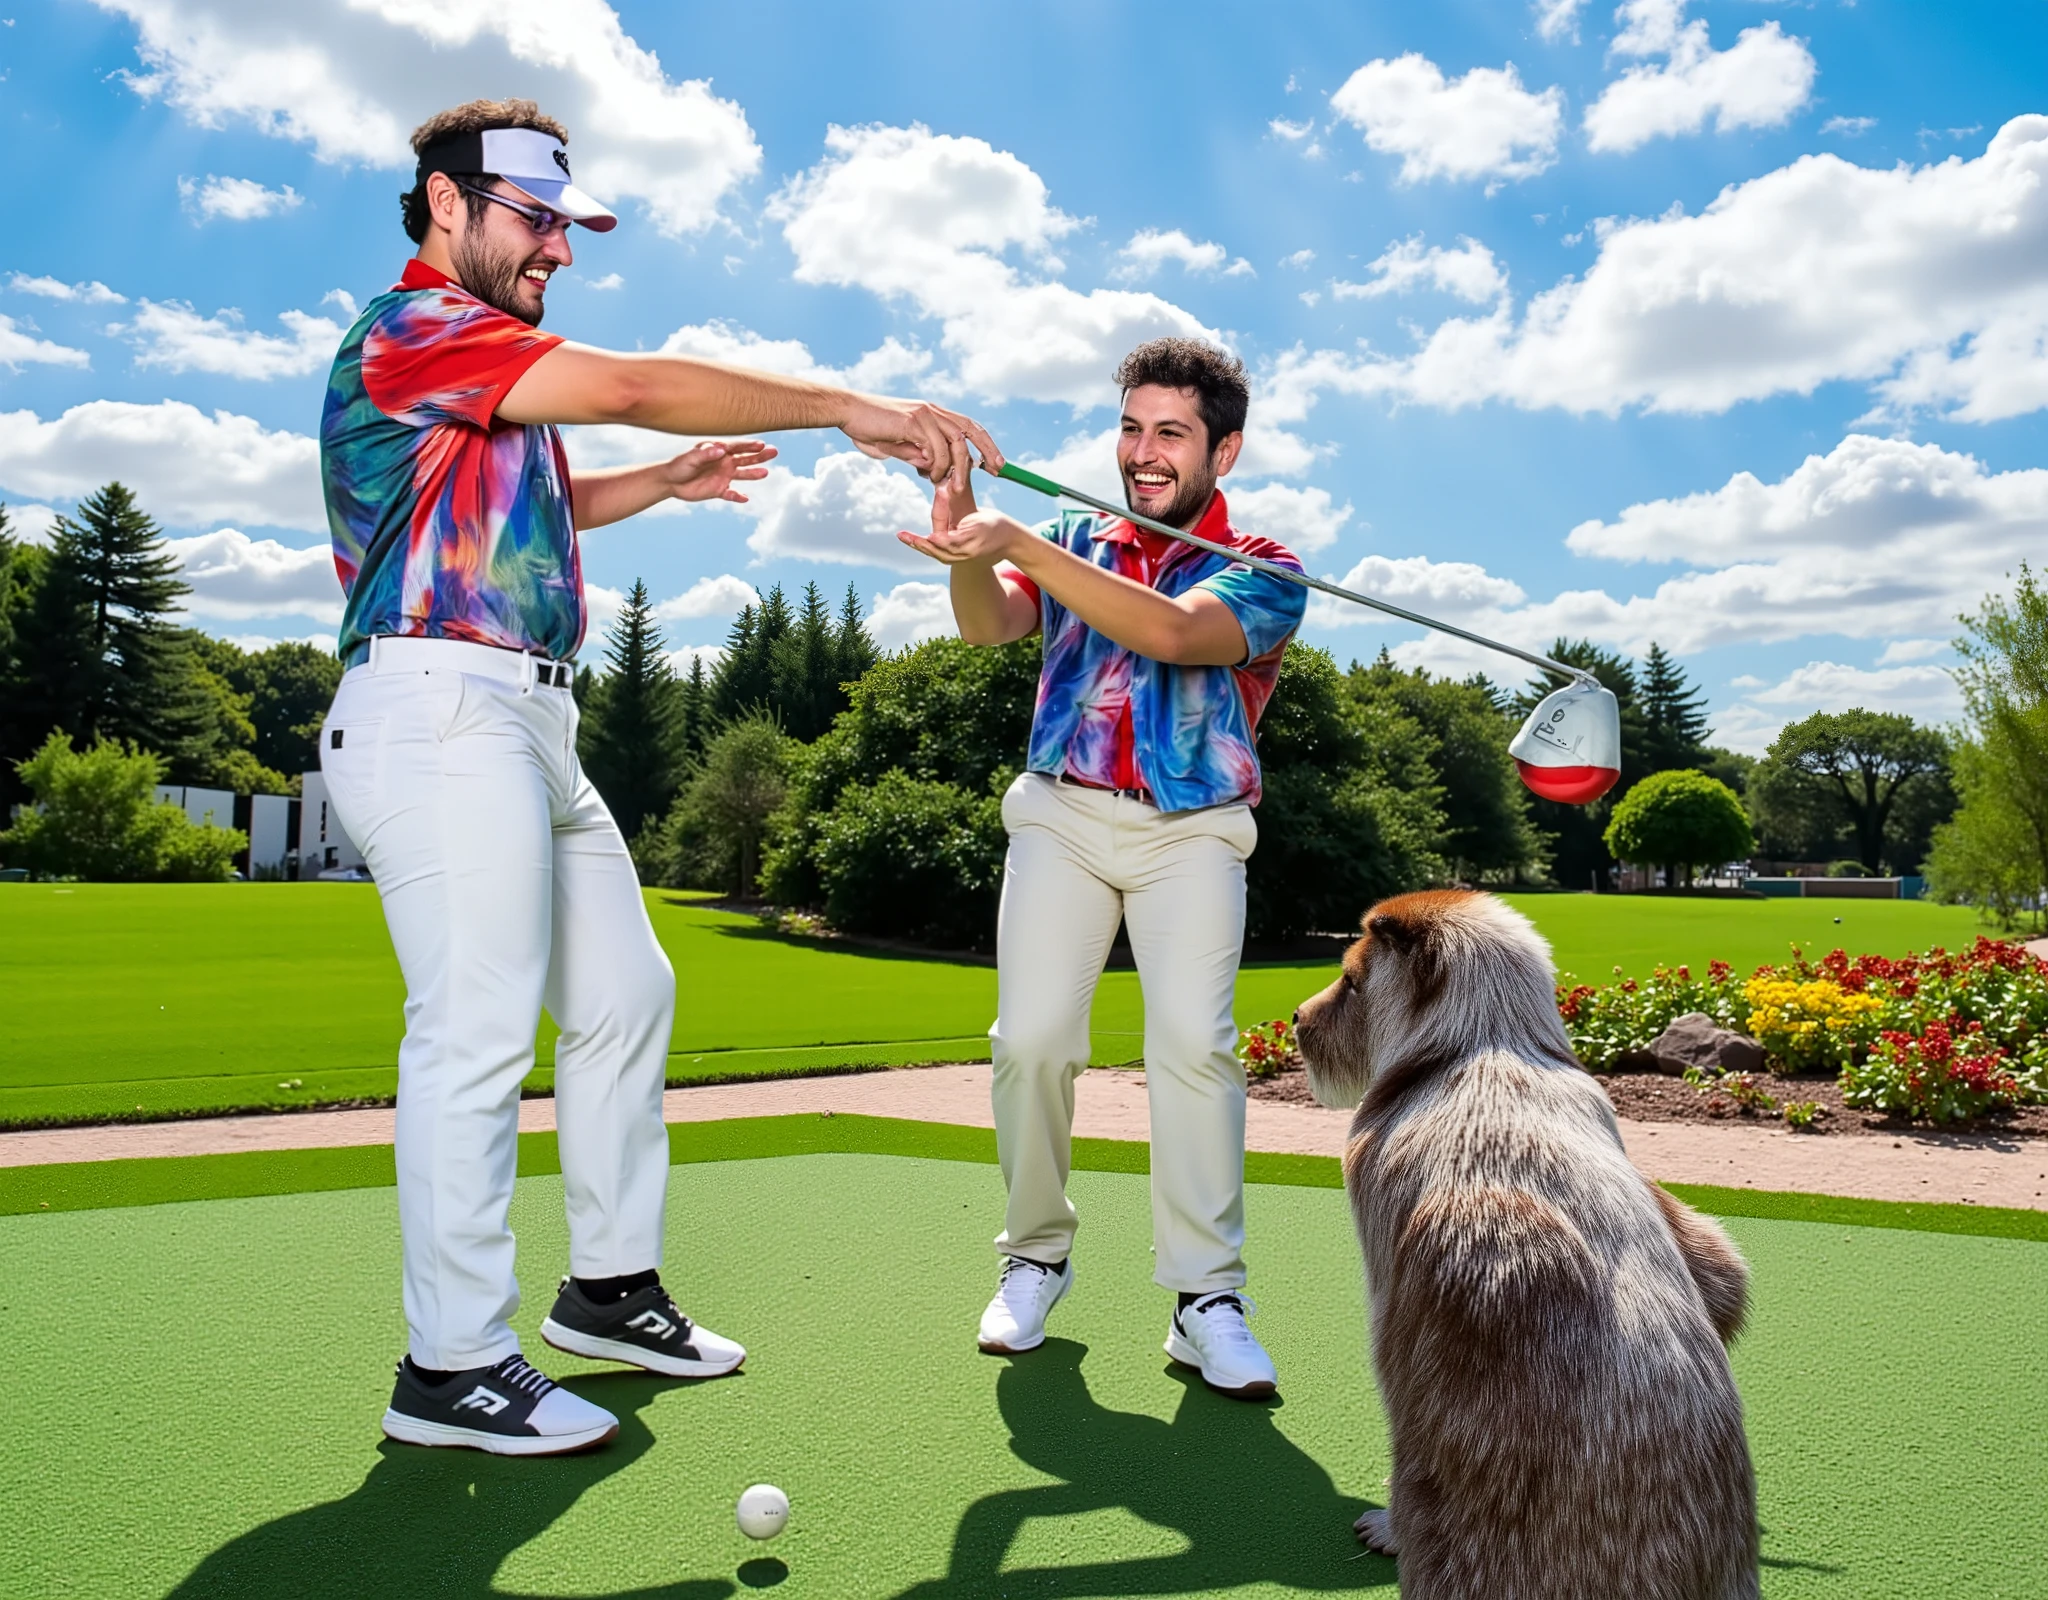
(1079, 860)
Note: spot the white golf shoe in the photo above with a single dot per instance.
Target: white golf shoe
(1210, 1335)
(1015, 1319)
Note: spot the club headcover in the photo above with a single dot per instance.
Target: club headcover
(1570, 748)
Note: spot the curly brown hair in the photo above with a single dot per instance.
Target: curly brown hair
(472, 116)
(1222, 393)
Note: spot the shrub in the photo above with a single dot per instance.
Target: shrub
(97, 818)
(1800, 1115)
(1268, 1049)
(1681, 820)
(1949, 1072)
(712, 834)
(1621, 1019)
(908, 858)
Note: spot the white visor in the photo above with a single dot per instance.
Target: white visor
(537, 163)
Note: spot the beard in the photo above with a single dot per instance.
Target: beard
(1185, 509)
(493, 275)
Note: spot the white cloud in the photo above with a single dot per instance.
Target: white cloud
(93, 293)
(1927, 694)
(721, 596)
(235, 577)
(610, 281)
(29, 523)
(910, 613)
(1483, 125)
(1292, 132)
(18, 349)
(1305, 520)
(848, 509)
(710, 654)
(173, 335)
(1930, 282)
(1469, 272)
(1900, 651)
(1849, 127)
(1758, 82)
(931, 219)
(601, 607)
(1559, 19)
(351, 81)
(1451, 591)
(887, 365)
(235, 199)
(1300, 259)
(187, 468)
(1149, 250)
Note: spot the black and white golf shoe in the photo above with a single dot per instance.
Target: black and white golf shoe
(510, 1409)
(644, 1330)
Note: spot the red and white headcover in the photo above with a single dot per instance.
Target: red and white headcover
(1570, 748)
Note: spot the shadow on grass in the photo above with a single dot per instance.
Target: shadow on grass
(1250, 1505)
(437, 1522)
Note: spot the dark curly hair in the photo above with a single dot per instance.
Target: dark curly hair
(1222, 393)
(472, 116)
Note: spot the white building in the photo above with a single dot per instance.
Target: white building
(323, 845)
(216, 806)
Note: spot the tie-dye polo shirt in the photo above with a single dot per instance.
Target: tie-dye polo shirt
(448, 522)
(1187, 732)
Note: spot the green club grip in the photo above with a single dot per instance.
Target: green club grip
(1030, 480)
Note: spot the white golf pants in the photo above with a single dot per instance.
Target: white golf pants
(1080, 860)
(506, 886)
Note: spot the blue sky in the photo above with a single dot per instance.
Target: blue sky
(1723, 324)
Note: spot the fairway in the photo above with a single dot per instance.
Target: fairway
(915, 1465)
(168, 999)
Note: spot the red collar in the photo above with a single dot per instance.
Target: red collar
(418, 275)
(1214, 526)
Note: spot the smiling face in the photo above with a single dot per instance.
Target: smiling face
(501, 260)
(1163, 451)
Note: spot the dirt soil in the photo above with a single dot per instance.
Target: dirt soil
(1652, 1097)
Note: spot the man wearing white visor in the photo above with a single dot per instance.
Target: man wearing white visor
(450, 758)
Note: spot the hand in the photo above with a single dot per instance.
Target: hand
(709, 471)
(931, 438)
(960, 533)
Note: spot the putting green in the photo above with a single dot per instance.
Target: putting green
(193, 1394)
(168, 999)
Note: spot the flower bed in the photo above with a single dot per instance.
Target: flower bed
(1940, 1037)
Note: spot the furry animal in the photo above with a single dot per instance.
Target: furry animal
(1548, 1326)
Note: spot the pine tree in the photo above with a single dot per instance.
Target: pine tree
(805, 692)
(694, 719)
(854, 644)
(101, 661)
(745, 680)
(1674, 714)
(632, 748)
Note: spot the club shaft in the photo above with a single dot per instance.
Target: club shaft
(1031, 480)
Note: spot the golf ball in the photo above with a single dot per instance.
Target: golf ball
(763, 1511)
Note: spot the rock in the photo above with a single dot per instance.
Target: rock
(1696, 1040)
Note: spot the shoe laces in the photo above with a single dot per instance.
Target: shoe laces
(666, 1302)
(1228, 1328)
(1014, 1270)
(515, 1373)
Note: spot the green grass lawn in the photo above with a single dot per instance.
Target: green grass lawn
(126, 1000)
(1892, 1461)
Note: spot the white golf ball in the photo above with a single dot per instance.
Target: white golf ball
(763, 1511)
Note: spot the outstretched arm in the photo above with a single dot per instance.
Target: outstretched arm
(575, 383)
(1194, 629)
(707, 472)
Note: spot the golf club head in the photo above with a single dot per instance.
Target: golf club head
(1570, 748)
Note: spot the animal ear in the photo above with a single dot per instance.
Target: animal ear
(1409, 937)
(1395, 931)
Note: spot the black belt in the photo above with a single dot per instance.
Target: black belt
(1142, 796)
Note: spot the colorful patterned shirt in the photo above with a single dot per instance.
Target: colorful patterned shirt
(1105, 712)
(448, 522)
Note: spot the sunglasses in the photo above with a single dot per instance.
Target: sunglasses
(542, 221)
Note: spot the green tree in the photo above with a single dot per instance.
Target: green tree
(1679, 820)
(630, 740)
(1853, 766)
(1995, 849)
(105, 663)
(1487, 829)
(853, 644)
(804, 683)
(694, 719)
(734, 788)
(96, 816)
(290, 685)
(906, 858)
(1674, 714)
(1576, 835)
(1350, 809)
(745, 679)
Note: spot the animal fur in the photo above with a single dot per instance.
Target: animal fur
(1547, 1325)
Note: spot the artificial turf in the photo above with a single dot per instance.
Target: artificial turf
(163, 1000)
(1893, 1379)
